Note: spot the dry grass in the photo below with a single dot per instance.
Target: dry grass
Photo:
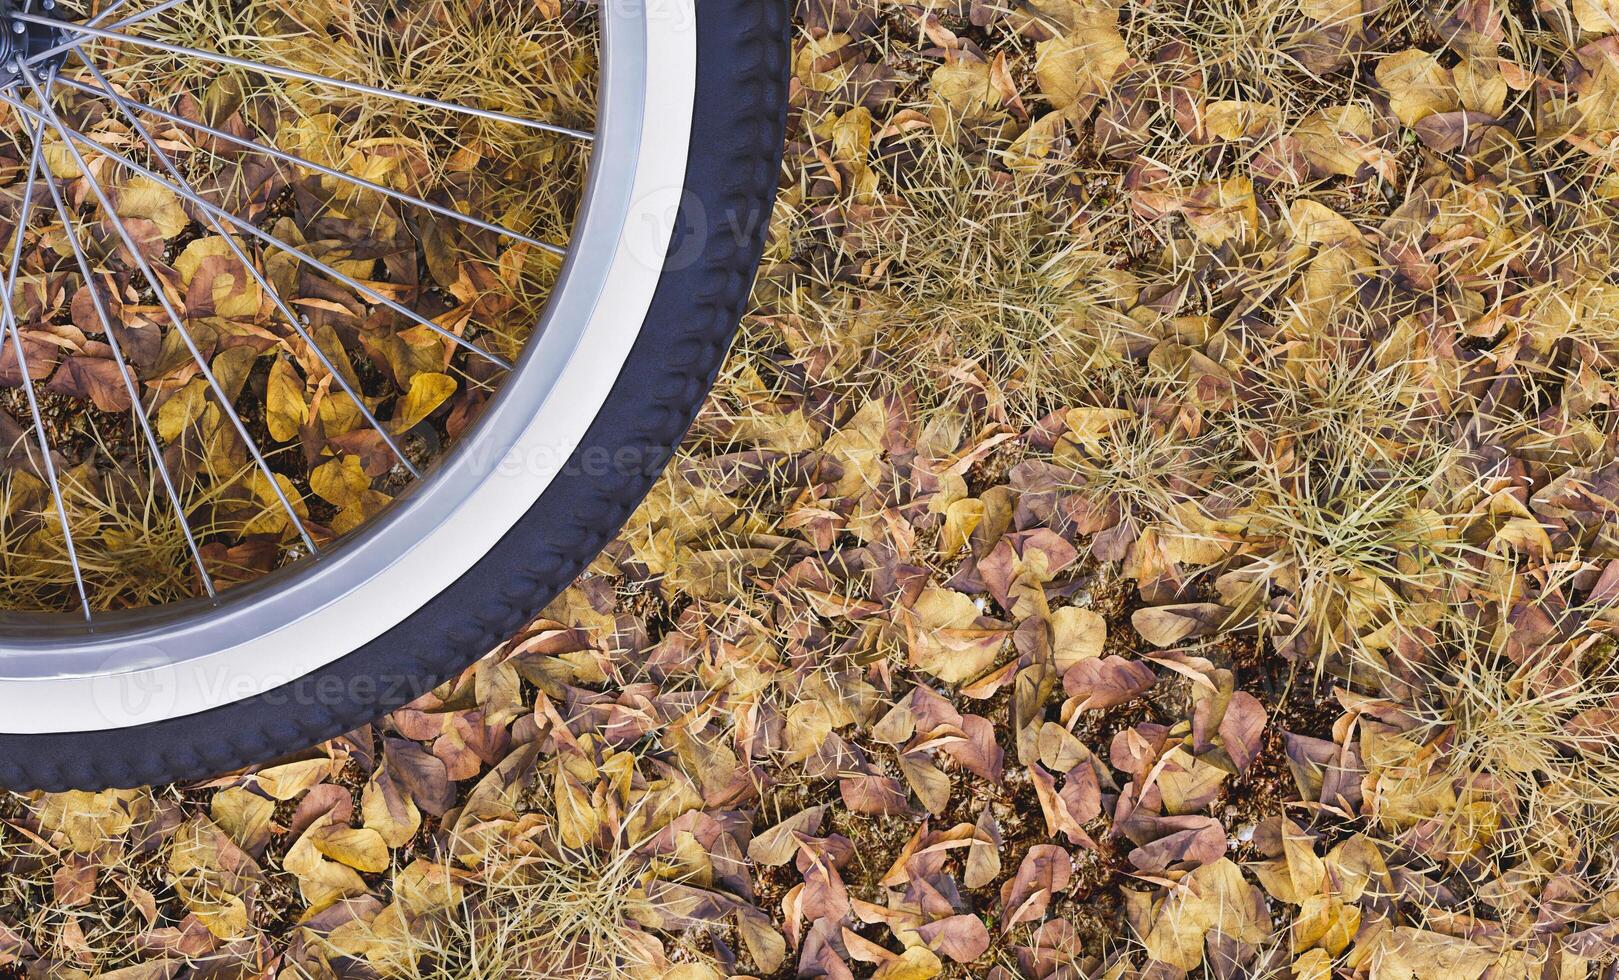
(966, 282)
(568, 916)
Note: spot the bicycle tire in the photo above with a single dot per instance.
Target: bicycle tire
(737, 136)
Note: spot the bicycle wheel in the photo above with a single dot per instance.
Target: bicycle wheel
(338, 341)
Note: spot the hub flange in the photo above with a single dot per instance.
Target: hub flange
(20, 40)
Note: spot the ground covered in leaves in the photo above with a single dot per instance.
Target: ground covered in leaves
(1157, 521)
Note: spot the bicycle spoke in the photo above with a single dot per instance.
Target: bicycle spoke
(293, 320)
(397, 239)
(106, 91)
(79, 42)
(306, 76)
(130, 386)
(15, 336)
(71, 135)
(168, 307)
(107, 11)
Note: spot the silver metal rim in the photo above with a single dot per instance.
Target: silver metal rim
(137, 667)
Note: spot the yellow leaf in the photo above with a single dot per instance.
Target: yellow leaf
(1313, 223)
(388, 809)
(426, 887)
(1080, 64)
(576, 818)
(940, 642)
(59, 160)
(1325, 921)
(236, 294)
(1076, 634)
(314, 137)
(1187, 782)
(321, 881)
(338, 413)
(1232, 120)
(244, 815)
(1481, 86)
(427, 392)
(341, 481)
(1314, 965)
(1330, 138)
(1028, 153)
(1409, 953)
(960, 519)
(1595, 16)
(274, 517)
(142, 197)
(691, 971)
(361, 849)
(286, 782)
(1222, 210)
(851, 135)
(1417, 84)
(916, 963)
(1357, 865)
(221, 913)
(285, 408)
(1305, 870)
(231, 368)
(963, 85)
(88, 820)
(1215, 896)
(190, 257)
(808, 725)
(181, 409)
(1333, 13)
(361, 510)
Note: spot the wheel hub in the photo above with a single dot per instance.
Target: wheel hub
(29, 40)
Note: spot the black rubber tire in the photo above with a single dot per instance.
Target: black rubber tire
(737, 137)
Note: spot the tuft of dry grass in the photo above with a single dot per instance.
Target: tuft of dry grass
(565, 916)
(965, 281)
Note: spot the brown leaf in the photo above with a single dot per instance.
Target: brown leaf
(1101, 684)
(963, 938)
(874, 794)
(423, 774)
(1447, 131)
(980, 752)
(1204, 840)
(322, 799)
(1165, 626)
(1242, 730)
(74, 884)
(1045, 871)
(776, 846)
(95, 378)
(824, 895)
